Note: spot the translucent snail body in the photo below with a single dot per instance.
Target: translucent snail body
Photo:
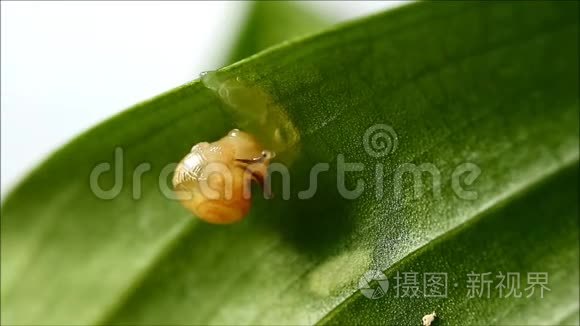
(214, 180)
(253, 110)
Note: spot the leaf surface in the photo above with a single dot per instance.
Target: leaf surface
(492, 84)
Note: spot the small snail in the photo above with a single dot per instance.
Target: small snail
(254, 110)
(214, 179)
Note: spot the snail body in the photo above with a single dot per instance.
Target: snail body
(214, 179)
(254, 110)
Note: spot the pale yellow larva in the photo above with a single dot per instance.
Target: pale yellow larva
(429, 318)
(214, 179)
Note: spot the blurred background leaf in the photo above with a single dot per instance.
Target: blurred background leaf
(273, 22)
(492, 84)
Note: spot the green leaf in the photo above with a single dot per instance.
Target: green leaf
(542, 221)
(272, 22)
(492, 84)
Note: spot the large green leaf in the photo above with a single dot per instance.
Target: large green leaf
(485, 245)
(494, 84)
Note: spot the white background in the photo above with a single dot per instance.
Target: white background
(66, 66)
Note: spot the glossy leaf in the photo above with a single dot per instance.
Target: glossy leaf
(493, 84)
